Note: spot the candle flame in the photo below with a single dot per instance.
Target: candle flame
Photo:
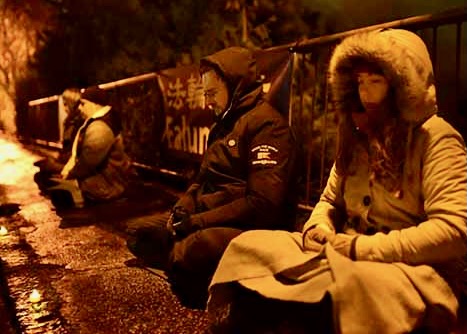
(35, 296)
(3, 231)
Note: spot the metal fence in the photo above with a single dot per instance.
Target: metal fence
(311, 110)
(44, 121)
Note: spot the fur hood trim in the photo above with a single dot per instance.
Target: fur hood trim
(405, 62)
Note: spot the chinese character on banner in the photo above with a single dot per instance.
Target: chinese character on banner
(176, 94)
(195, 96)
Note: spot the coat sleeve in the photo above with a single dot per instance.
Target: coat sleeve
(271, 157)
(187, 199)
(443, 235)
(325, 211)
(97, 142)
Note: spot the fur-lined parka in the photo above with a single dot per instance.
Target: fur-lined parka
(424, 220)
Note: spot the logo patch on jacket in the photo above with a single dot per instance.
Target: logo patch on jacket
(264, 155)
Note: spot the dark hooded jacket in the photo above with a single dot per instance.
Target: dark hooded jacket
(247, 176)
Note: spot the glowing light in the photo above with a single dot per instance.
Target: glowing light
(3, 231)
(35, 296)
(15, 163)
(266, 87)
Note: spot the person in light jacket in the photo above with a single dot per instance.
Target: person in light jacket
(50, 166)
(384, 248)
(98, 168)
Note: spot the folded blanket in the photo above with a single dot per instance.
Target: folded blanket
(368, 297)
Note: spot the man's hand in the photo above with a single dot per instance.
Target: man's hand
(169, 225)
(181, 223)
(315, 237)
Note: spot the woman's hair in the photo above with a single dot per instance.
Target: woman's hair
(387, 149)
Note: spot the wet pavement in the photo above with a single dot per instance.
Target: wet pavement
(78, 262)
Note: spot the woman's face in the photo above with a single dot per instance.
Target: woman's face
(216, 94)
(373, 90)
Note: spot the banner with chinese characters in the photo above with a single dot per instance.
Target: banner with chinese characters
(187, 124)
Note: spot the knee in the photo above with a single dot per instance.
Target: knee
(188, 253)
(190, 268)
(145, 225)
(203, 249)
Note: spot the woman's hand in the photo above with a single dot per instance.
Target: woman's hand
(315, 237)
(344, 244)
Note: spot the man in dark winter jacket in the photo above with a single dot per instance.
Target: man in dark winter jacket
(246, 180)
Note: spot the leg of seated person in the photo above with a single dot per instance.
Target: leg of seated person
(149, 240)
(71, 187)
(61, 199)
(193, 261)
(43, 180)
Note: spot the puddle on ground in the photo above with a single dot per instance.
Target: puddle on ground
(21, 273)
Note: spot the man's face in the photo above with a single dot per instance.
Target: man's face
(83, 106)
(87, 108)
(216, 94)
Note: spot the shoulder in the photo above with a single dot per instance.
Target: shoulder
(98, 129)
(436, 128)
(98, 125)
(264, 113)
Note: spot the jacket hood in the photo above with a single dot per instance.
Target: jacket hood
(404, 61)
(237, 66)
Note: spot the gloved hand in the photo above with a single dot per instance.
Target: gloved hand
(181, 223)
(344, 244)
(315, 237)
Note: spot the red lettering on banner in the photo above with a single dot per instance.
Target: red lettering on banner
(195, 92)
(176, 94)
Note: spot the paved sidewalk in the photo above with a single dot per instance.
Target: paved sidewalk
(79, 263)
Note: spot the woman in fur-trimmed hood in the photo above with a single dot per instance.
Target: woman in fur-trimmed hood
(387, 240)
(402, 58)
